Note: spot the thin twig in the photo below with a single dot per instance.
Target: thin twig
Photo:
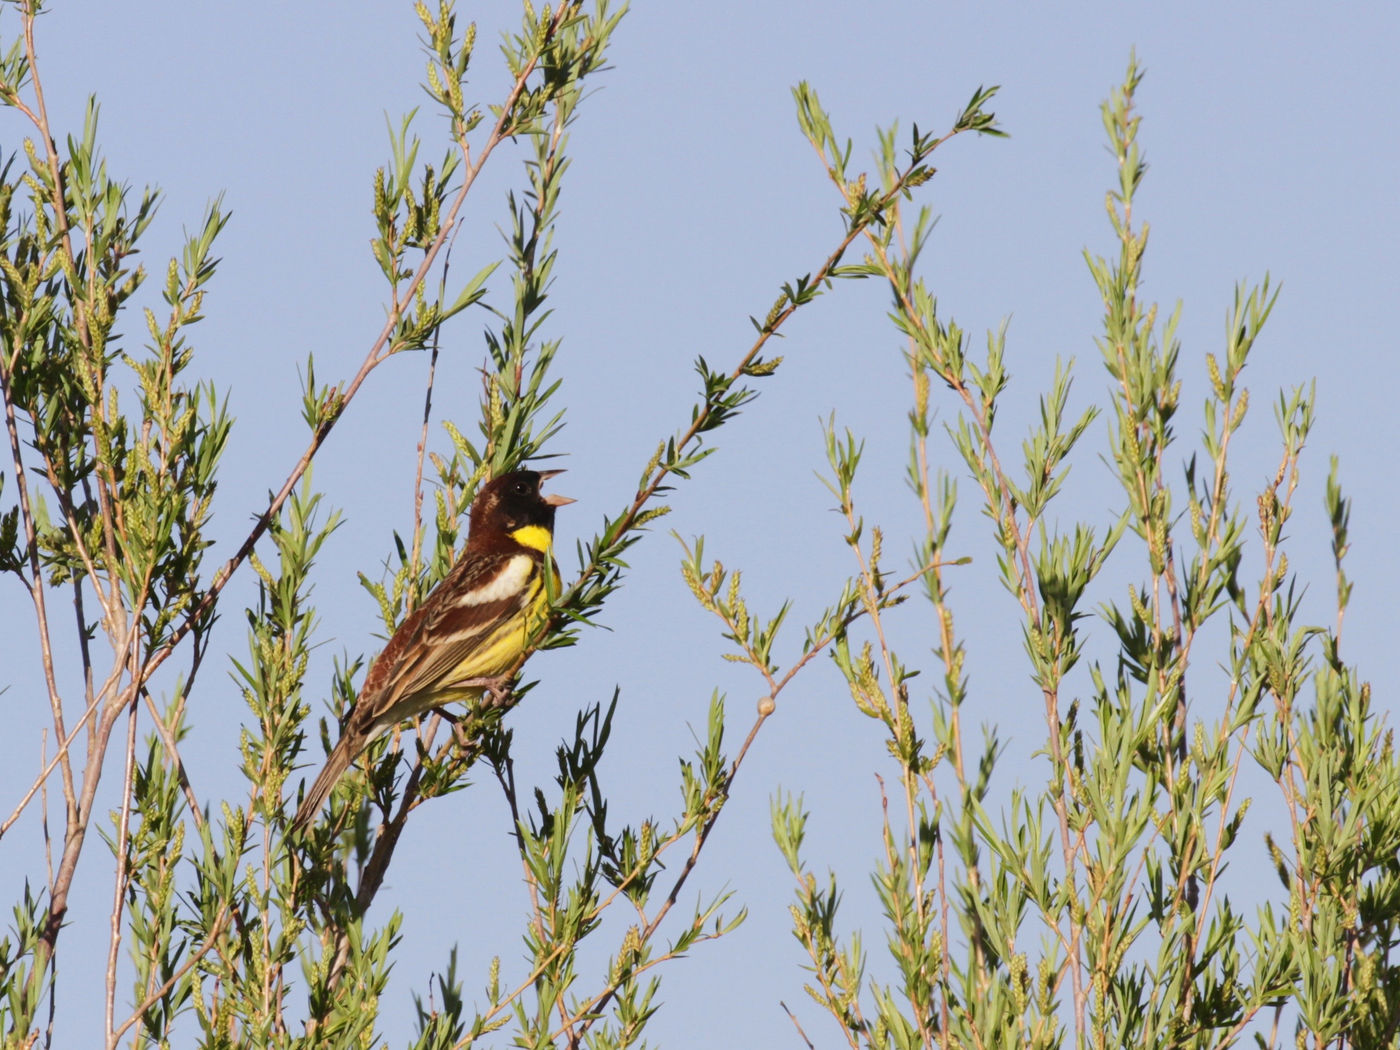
(123, 877)
(796, 1024)
(214, 931)
(172, 751)
(36, 585)
(427, 415)
(43, 776)
(505, 776)
(48, 870)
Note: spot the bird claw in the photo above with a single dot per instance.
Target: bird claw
(497, 689)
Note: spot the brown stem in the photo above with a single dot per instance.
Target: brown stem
(505, 776)
(123, 878)
(189, 964)
(796, 1024)
(422, 452)
(36, 587)
(167, 736)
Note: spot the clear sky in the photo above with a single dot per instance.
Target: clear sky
(1270, 133)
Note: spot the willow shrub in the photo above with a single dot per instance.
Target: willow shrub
(1089, 910)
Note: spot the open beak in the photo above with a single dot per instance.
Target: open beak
(552, 499)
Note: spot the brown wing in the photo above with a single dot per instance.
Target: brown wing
(449, 637)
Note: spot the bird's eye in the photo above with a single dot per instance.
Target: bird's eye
(522, 488)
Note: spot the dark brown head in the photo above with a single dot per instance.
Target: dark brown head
(512, 506)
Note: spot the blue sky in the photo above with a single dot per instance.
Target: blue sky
(692, 197)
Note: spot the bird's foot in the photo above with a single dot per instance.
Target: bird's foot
(496, 691)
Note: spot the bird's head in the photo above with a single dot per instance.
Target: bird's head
(512, 505)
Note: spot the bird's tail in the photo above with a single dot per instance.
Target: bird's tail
(337, 762)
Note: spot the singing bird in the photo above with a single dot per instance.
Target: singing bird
(469, 631)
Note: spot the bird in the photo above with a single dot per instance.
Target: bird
(467, 633)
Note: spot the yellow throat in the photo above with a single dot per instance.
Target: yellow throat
(536, 537)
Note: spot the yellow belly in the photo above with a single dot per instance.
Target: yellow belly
(495, 652)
